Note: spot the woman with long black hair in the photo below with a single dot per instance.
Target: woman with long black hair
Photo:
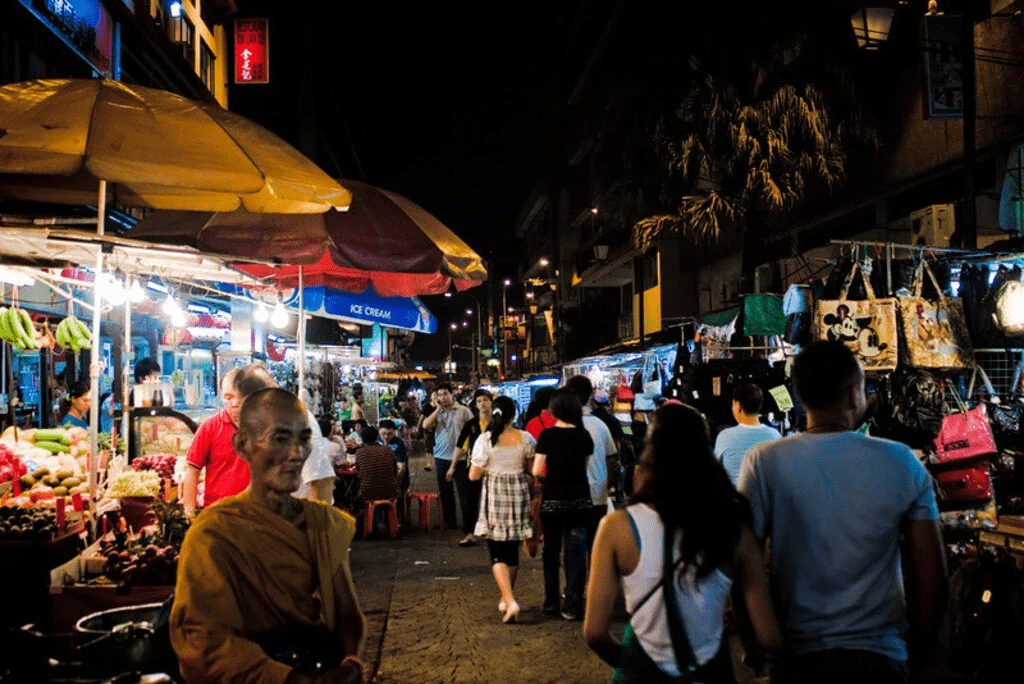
(683, 495)
(562, 454)
(502, 457)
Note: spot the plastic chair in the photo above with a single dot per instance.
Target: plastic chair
(392, 506)
(424, 499)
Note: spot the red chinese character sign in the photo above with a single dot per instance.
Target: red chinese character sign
(252, 54)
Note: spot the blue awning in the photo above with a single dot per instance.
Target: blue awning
(367, 308)
(407, 313)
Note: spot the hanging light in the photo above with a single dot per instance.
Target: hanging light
(178, 319)
(871, 26)
(261, 314)
(111, 290)
(16, 278)
(279, 318)
(135, 293)
(170, 306)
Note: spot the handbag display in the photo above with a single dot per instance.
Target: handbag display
(1009, 308)
(934, 332)
(867, 327)
(966, 484)
(964, 434)
(763, 315)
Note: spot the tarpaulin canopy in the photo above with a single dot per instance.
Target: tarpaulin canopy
(383, 240)
(59, 138)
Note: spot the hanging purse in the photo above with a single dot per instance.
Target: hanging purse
(934, 332)
(1009, 308)
(964, 434)
(965, 485)
(867, 327)
(763, 315)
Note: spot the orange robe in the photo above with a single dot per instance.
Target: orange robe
(243, 570)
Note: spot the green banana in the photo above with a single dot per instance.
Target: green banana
(11, 327)
(29, 329)
(85, 339)
(5, 332)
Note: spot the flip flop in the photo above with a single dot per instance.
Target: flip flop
(466, 541)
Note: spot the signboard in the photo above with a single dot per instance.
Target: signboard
(943, 68)
(252, 53)
(86, 24)
(406, 313)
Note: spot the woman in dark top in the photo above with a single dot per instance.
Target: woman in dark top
(561, 460)
(460, 464)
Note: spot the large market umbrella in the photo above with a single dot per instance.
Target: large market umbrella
(60, 138)
(384, 240)
(72, 141)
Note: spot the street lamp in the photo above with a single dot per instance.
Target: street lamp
(479, 336)
(504, 327)
(871, 26)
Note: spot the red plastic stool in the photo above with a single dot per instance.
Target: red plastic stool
(425, 498)
(392, 516)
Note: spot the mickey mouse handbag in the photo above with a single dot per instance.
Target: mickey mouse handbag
(868, 327)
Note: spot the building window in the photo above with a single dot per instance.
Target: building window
(206, 64)
(183, 33)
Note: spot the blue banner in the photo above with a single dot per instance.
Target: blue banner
(406, 313)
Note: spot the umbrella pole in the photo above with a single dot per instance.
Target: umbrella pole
(94, 363)
(300, 332)
(126, 387)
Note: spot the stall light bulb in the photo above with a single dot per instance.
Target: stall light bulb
(135, 293)
(261, 314)
(111, 290)
(279, 318)
(178, 319)
(170, 306)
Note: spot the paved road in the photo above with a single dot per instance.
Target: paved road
(432, 612)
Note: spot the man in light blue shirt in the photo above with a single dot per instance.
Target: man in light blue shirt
(733, 443)
(834, 503)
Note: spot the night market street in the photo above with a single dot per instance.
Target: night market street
(431, 613)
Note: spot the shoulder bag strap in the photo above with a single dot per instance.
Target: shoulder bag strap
(928, 269)
(685, 659)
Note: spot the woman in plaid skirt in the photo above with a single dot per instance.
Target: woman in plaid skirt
(503, 457)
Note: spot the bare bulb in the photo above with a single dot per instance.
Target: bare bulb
(279, 318)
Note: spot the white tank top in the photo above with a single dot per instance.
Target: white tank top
(702, 601)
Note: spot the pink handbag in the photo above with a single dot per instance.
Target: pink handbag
(964, 434)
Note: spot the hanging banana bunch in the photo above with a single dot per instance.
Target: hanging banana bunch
(73, 334)
(16, 327)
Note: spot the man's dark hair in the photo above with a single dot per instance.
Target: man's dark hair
(750, 397)
(144, 368)
(253, 378)
(581, 385)
(444, 386)
(78, 389)
(386, 423)
(822, 372)
(566, 406)
(482, 393)
(369, 435)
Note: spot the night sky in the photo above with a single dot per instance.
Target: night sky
(446, 104)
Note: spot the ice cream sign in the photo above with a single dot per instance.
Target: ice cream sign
(252, 55)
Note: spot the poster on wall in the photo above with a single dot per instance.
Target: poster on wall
(252, 51)
(943, 68)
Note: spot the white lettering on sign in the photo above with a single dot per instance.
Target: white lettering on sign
(370, 312)
(246, 65)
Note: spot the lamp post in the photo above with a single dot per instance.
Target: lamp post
(504, 327)
(478, 340)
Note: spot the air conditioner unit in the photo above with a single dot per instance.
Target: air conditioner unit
(932, 226)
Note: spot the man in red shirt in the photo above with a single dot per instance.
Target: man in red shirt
(226, 473)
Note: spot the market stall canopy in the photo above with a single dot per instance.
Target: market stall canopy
(59, 248)
(405, 374)
(59, 138)
(384, 240)
(368, 307)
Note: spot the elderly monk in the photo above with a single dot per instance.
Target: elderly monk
(265, 562)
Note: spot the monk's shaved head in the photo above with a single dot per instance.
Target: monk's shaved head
(261, 403)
